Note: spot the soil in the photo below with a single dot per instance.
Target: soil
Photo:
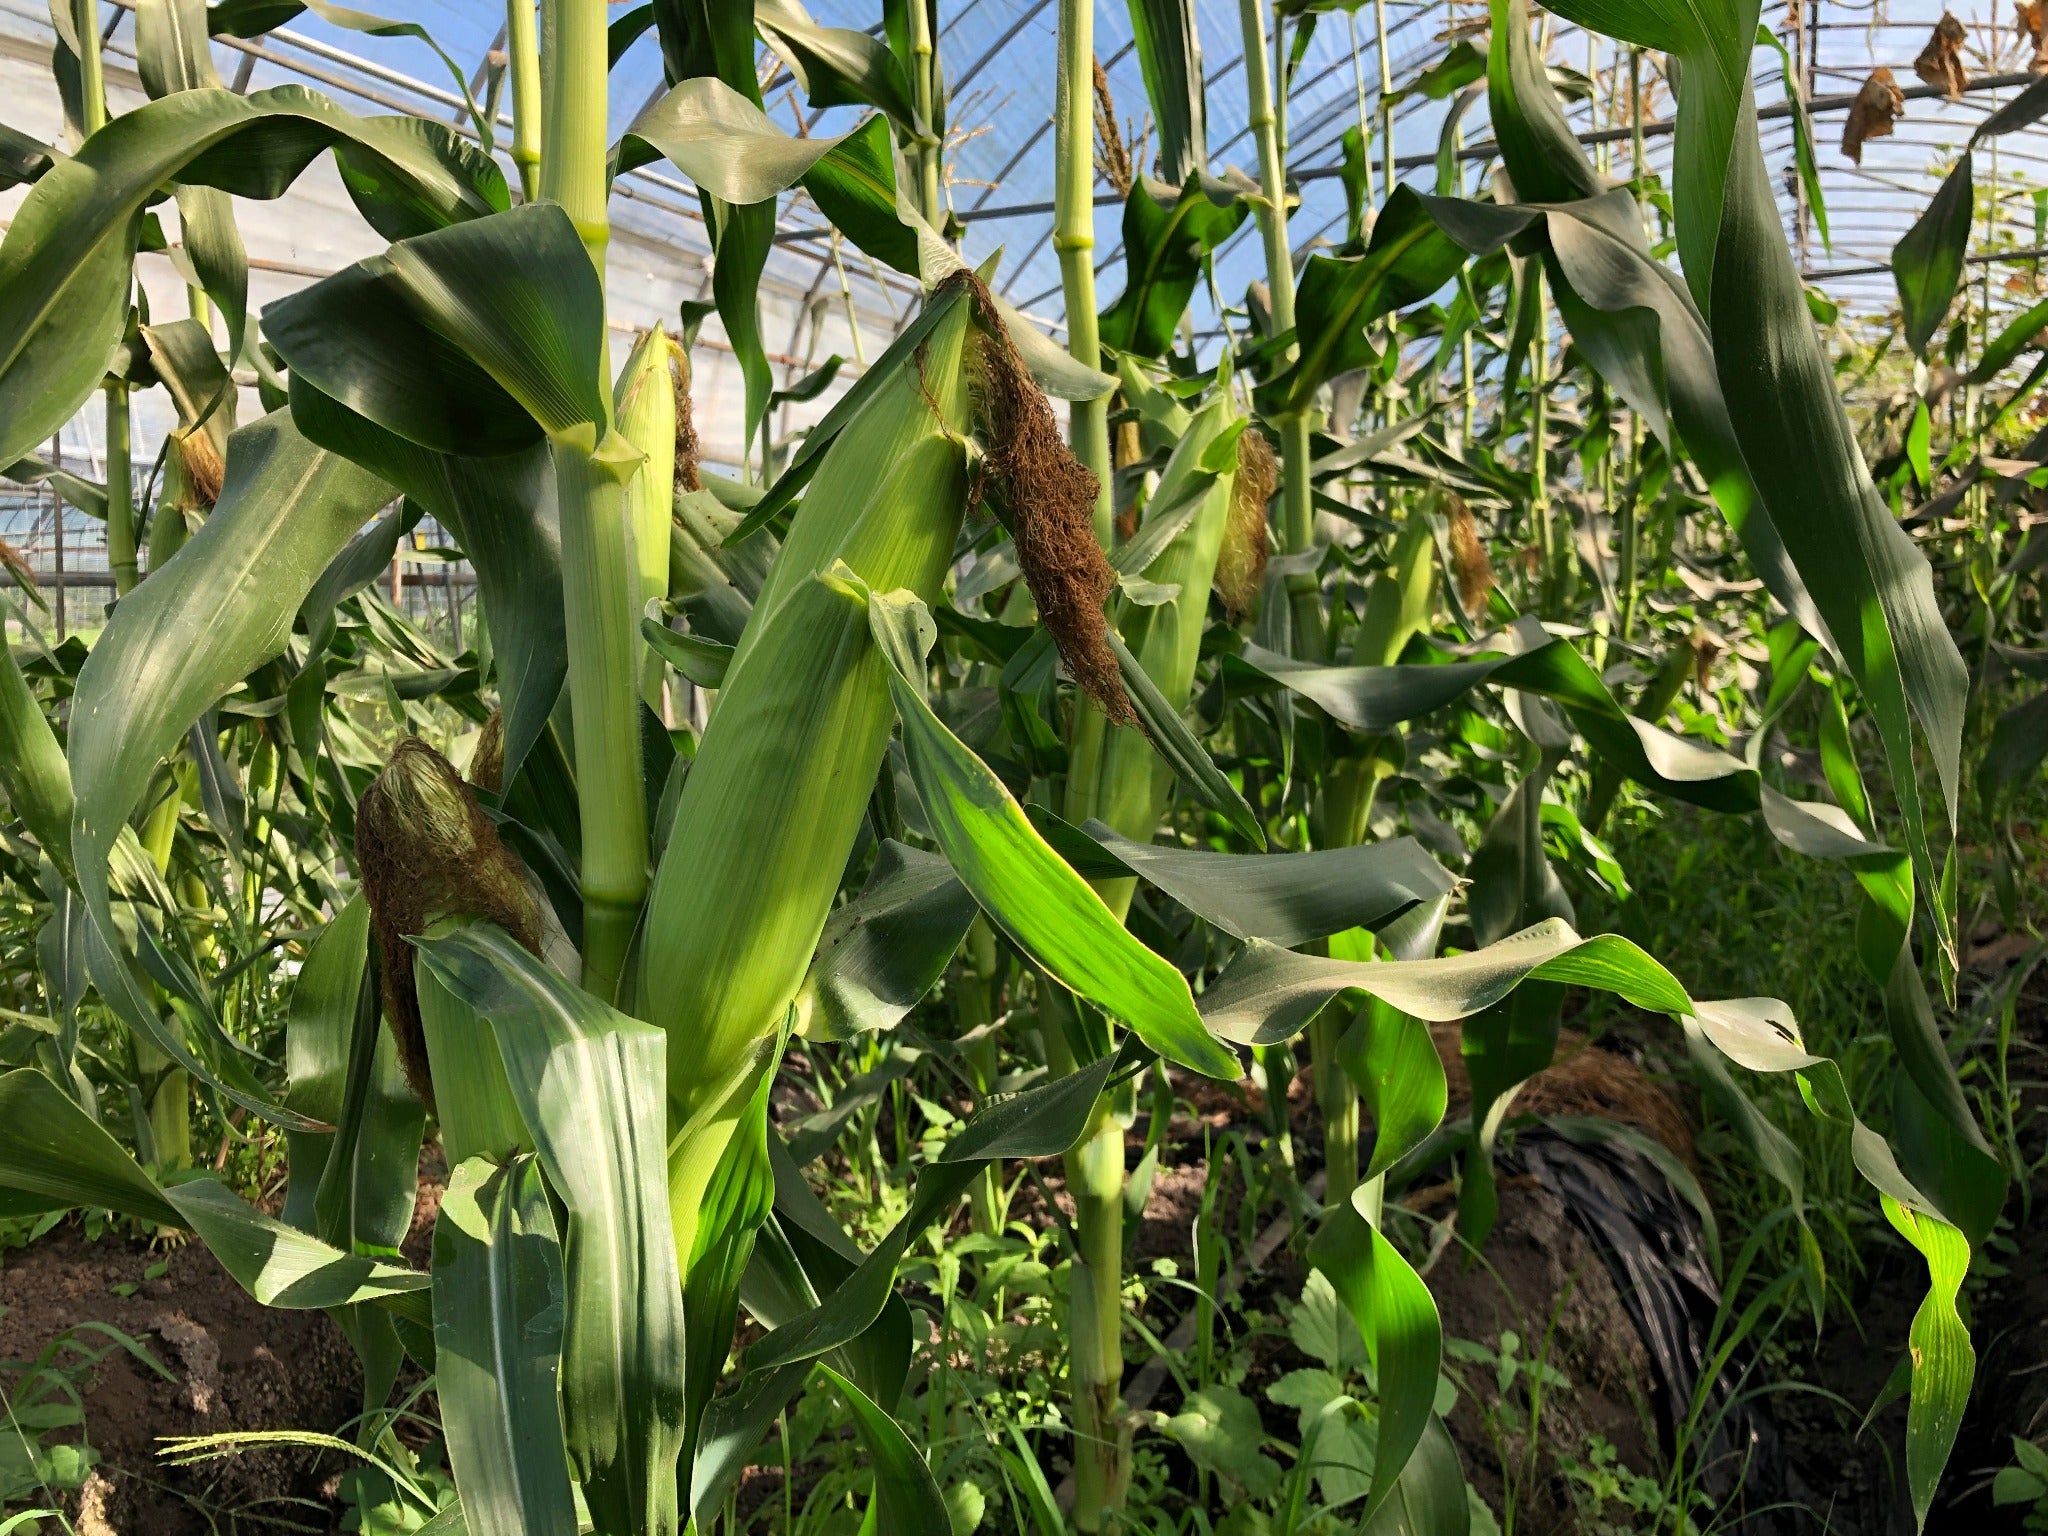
(232, 1365)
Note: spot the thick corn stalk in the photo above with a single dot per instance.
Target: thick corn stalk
(1116, 776)
(598, 576)
(775, 796)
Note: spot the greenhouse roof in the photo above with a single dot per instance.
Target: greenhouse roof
(999, 62)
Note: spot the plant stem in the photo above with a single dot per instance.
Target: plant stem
(598, 588)
(599, 579)
(1336, 1105)
(1073, 238)
(923, 54)
(1539, 434)
(120, 491)
(1297, 523)
(1102, 1435)
(523, 51)
(92, 80)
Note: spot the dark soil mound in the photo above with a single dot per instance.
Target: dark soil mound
(236, 1366)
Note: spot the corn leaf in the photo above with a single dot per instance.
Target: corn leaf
(1026, 889)
(498, 1348)
(219, 609)
(51, 1151)
(622, 1349)
(906, 1498)
(1283, 898)
(1169, 230)
(1403, 1334)
(836, 66)
(1927, 263)
(501, 508)
(64, 266)
(884, 950)
(1871, 584)
(1170, 58)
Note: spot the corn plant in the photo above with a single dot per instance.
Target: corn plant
(580, 966)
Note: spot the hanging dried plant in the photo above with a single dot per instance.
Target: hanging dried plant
(1941, 61)
(1878, 105)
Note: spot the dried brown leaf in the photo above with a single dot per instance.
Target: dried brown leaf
(1878, 105)
(1941, 61)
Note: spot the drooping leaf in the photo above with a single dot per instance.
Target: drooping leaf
(1927, 263)
(1026, 889)
(219, 609)
(1168, 231)
(65, 263)
(1284, 898)
(622, 1337)
(498, 1323)
(883, 951)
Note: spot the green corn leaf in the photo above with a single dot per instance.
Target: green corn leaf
(848, 1311)
(502, 510)
(1283, 898)
(1268, 994)
(51, 1152)
(1040, 1122)
(811, 1255)
(1174, 742)
(503, 298)
(188, 367)
(33, 771)
(1024, 887)
(702, 661)
(218, 610)
(64, 266)
(564, 1051)
(1431, 1498)
(2017, 336)
(23, 160)
(722, 141)
(1169, 230)
(737, 1200)
(855, 187)
(1944, 1364)
(732, 1430)
(1395, 1311)
(1802, 136)
(906, 1498)
(2019, 741)
(1927, 263)
(837, 66)
(498, 1317)
(1392, 1061)
(883, 951)
(1868, 580)
(353, 338)
(1170, 58)
(89, 496)
(1409, 257)
(172, 53)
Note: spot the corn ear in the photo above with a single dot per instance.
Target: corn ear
(1402, 601)
(775, 796)
(645, 407)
